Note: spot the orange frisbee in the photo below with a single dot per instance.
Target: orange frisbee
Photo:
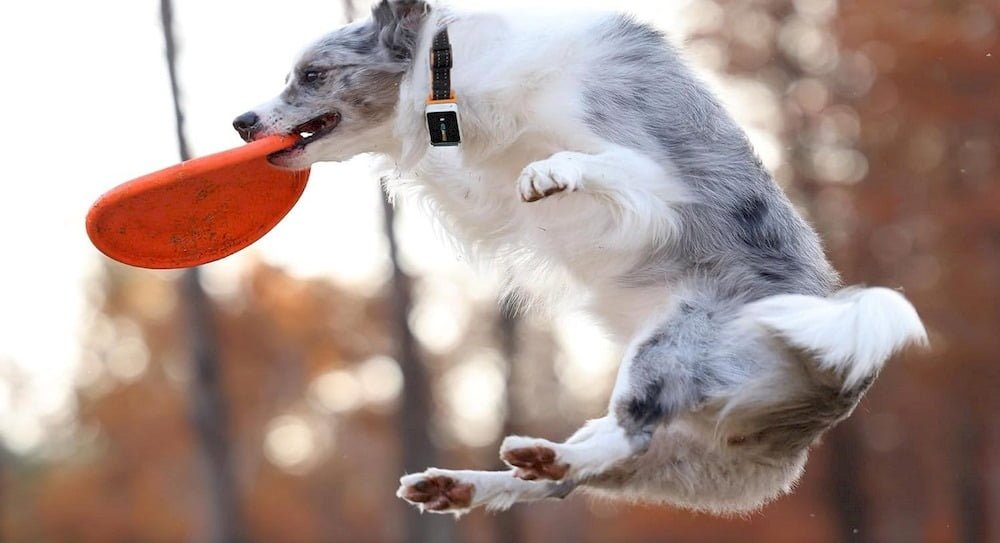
(197, 211)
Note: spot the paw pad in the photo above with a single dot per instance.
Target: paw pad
(437, 493)
(536, 462)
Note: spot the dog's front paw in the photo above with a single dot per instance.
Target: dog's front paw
(533, 459)
(437, 491)
(543, 178)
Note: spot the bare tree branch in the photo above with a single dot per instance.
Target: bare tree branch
(208, 407)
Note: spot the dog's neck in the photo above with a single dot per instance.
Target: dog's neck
(481, 101)
(441, 62)
(408, 128)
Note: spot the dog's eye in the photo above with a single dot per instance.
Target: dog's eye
(311, 76)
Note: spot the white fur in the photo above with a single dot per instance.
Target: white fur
(517, 122)
(606, 209)
(852, 333)
(494, 490)
(522, 136)
(684, 467)
(595, 448)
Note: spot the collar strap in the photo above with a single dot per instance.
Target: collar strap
(441, 63)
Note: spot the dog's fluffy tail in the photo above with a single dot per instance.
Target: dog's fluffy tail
(851, 333)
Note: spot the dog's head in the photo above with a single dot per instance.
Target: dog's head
(342, 92)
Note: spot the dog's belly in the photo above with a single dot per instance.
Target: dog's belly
(625, 311)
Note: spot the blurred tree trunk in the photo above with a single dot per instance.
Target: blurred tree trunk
(415, 411)
(850, 501)
(969, 469)
(3, 458)
(349, 10)
(208, 407)
(509, 524)
(209, 415)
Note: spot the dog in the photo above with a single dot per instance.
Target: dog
(598, 172)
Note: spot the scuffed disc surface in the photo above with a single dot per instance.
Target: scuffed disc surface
(197, 211)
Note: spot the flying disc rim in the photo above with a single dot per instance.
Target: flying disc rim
(203, 165)
(115, 203)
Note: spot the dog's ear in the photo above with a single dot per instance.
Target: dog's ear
(398, 24)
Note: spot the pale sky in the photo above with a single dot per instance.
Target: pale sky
(87, 106)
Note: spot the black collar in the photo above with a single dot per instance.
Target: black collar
(441, 67)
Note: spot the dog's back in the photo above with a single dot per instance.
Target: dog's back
(738, 227)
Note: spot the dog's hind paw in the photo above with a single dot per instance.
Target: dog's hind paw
(532, 459)
(544, 178)
(436, 491)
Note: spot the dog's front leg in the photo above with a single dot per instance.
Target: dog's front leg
(617, 172)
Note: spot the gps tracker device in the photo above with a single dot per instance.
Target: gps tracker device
(442, 105)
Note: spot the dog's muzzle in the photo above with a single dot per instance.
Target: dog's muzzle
(248, 125)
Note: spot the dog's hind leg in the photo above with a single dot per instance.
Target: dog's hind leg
(668, 371)
(594, 449)
(458, 491)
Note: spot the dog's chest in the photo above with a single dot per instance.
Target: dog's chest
(485, 209)
(564, 243)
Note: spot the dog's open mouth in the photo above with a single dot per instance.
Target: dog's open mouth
(310, 131)
(315, 129)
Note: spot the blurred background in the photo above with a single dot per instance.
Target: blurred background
(277, 395)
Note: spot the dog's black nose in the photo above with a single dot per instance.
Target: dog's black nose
(246, 125)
